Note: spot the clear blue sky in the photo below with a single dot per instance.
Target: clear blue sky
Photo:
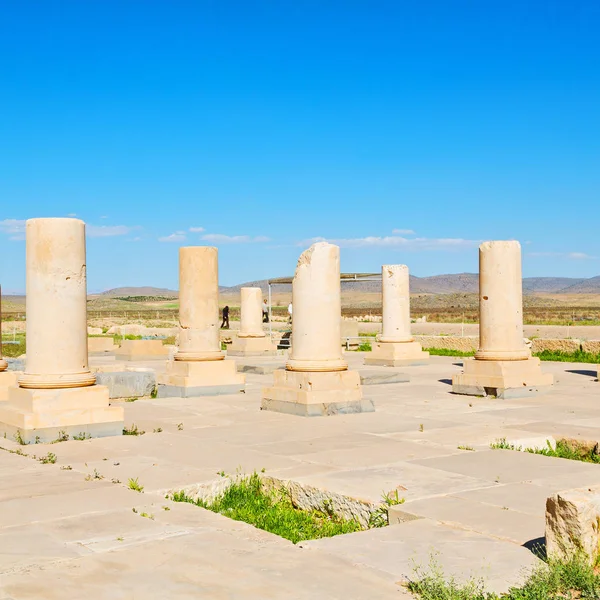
(406, 130)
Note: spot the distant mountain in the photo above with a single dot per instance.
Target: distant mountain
(457, 283)
(584, 286)
(139, 291)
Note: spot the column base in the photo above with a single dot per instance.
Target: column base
(252, 346)
(142, 350)
(501, 378)
(315, 394)
(7, 380)
(397, 354)
(41, 415)
(200, 378)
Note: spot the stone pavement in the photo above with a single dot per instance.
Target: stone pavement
(69, 529)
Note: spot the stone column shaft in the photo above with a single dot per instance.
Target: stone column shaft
(396, 304)
(56, 305)
(251, 313)
(199, 337)
(316, 298)
(501, 302)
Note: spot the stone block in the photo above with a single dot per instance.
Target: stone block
(573, 524)
(252, 346)
(448, 342)
(259, 369)
(397, 354)
(555, 345)
(128, 384)
(40, 414)
(591, 346)
(7, 380)
(142, 350)
(375, 377)
(94, 330)
(311, 394)
(501, 378)
(101, 345)
(185, 379)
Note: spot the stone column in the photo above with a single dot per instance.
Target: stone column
(395, 304)
(56, 395)
(395, 346)
(316, 380)
(56, 305)
(316, 298)
(199, 337)
(503, 366)
(501, 302)
(251, 313)
(198, 368)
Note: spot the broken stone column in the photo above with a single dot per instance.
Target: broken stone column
(503, 365)
(316, 380)
(57, 391)
(395, 346)
(251, 340)
(572, 519)
(199, 368)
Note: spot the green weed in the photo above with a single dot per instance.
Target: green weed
(134, 484)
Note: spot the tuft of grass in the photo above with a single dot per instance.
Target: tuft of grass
(133, 430)
(247, 500)
(364, 347)
(554, 580)
(63, 436)
(130, 400)
(95, 475)
(470, 448)
(154, 392)
(49, 459)
(82, 435)
(380, 518)
(158, 430)
(148, 516)
(134, 484)
(567, 449)
(19, 438)
(448, 352)
(179, 426)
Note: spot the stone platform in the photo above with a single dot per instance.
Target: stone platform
(394, 354)
(7, 379)
(141, 350)
(501, 378)
(186, 379)
(70, 532)
(252, 346)
(315, 394)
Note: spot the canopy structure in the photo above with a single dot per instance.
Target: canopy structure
(344, 278)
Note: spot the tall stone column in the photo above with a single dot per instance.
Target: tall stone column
(199, 368)
(396, 346)
(316, 380)
(316, 298)
(501, 302)
(57, 392)
(56, 305)
(199, 336)
(251, 339)
(503, 365)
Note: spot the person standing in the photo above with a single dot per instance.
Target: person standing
(225, 323)
(290, 312)
(265, 311)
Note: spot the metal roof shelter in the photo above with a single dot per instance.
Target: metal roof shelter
(344, 278)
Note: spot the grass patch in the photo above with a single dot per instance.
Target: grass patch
(134, 484)
(558, 356)
(133, 430)
(567, 449)
(364, 347)
(551, 581)
(247, 500)
(447, 352)
(14, 346)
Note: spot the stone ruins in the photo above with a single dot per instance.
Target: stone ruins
(251, 339)
(199, 368)
(57, 390)
(503, 365)
(316, 380)
(395, 347)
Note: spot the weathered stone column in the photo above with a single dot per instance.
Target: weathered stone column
(395, 346)
(503, 365)
(199, 336)
(198, 368)
(501, 302)
(57, 392)
(251, 313)
(56, 305)
(316, 298)
(316, 380)
(251, 339)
